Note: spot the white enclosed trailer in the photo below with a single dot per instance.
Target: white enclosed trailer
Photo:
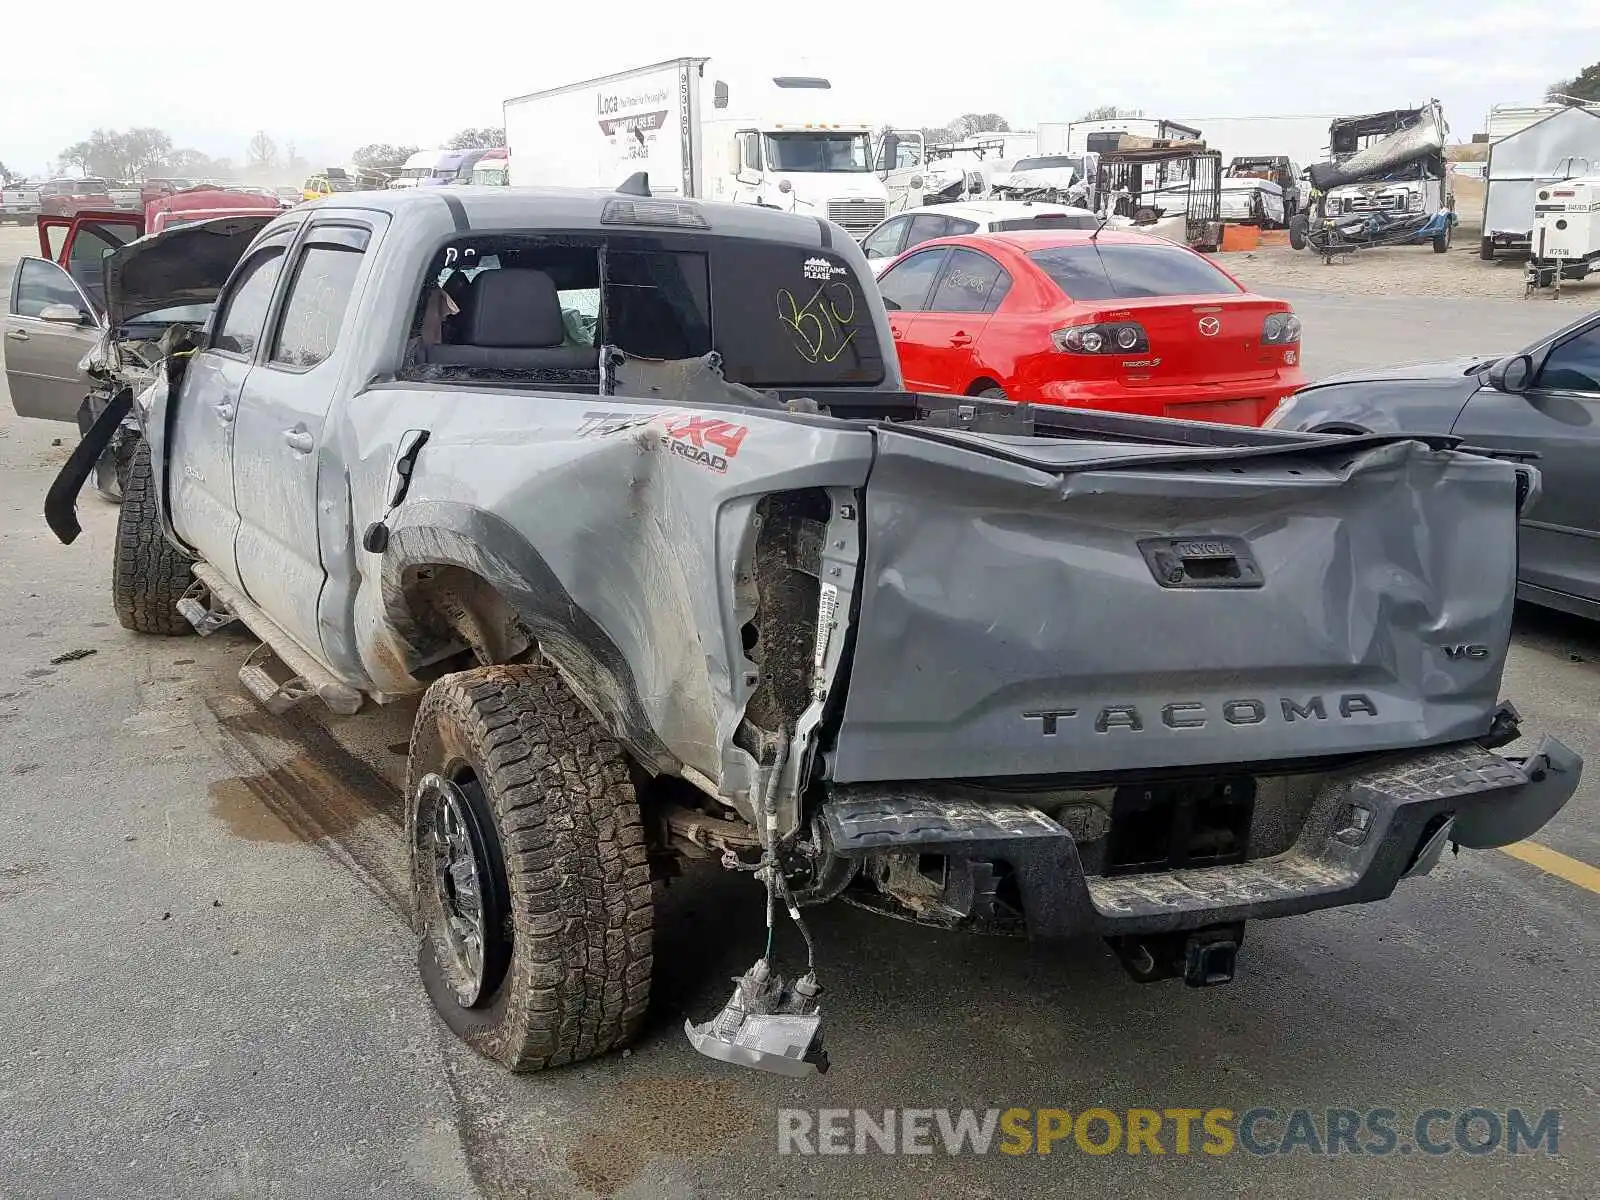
(1073, 137)
(699, 130)
(1563, 143)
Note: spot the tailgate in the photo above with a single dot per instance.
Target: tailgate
(1039, 607)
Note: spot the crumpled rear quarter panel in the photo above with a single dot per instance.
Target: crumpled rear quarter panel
(618, 548)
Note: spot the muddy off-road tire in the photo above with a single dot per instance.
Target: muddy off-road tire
(1297, 232)
(148, 576)
(514, 795)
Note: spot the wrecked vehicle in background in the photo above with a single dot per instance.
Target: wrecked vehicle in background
(629, 489)
(1262, 190)
(1058, 178)
(1385, 186)
(1172, 190)
(57, 328)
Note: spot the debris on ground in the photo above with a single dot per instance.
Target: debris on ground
(72, 656)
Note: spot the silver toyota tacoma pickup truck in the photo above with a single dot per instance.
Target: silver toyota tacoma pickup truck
(629, 490)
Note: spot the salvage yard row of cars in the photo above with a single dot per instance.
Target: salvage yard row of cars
(516, 450)
(1044, 303)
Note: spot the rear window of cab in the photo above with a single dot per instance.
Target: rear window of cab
(780, 316)
(1128, 271)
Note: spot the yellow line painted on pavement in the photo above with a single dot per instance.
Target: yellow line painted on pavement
(1553, 862)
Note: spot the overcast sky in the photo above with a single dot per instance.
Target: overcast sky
(329, 76)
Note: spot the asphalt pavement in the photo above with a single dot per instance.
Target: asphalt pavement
(209, 985)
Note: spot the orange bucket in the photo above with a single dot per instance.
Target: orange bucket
(1240, 237)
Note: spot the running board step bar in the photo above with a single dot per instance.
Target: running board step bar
(201, 608)
(308, 677)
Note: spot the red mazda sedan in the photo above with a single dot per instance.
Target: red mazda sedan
(1118, 320)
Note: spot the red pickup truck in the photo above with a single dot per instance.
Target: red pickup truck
(68, 197)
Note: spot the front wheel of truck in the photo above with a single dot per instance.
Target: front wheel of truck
(532, 889)
(148, 575)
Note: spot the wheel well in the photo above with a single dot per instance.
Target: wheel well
(979, 386)
(460, 613)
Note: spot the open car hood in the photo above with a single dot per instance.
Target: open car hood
(187, 265)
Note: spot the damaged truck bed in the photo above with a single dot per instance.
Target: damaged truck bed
(630, 488)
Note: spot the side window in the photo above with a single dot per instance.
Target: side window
(885, 241)
(1574, 365)
(41, 284)
(244, 310)
(968, 281)
(955, 226)
(906, 285)
(314, 310)
(749, 151)
(925, 227)
(86, 261)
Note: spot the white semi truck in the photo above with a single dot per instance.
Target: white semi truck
(703, 129)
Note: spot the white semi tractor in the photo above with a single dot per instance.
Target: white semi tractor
(703, 129)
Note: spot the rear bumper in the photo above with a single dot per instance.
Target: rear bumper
(1413, 804)
(1246, 402)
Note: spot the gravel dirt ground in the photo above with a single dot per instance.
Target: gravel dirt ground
(1414, 271)
(210, 984)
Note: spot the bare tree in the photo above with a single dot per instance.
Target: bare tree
(75, 156)
(262, 153)
(485, 137)
(971, 124)
(381, 154)
(143, 152)
(1110, 112)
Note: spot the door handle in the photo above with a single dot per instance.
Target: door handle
(18, 335)
(224, 410)
(299, 440)
(960, 339)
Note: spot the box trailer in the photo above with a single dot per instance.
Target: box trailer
(1564, 143)
(706, 131)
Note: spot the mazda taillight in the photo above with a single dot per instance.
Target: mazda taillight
(1117, 337)
(1280, 329)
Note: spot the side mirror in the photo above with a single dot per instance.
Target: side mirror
(1512, 375)
(62, 314)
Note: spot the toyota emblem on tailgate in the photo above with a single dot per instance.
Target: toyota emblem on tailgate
(1210, 326)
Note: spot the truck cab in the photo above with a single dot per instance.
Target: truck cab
(786, 143)
(1386, 165)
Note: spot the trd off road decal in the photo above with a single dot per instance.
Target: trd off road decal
(707, 441)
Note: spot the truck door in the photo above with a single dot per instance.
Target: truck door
(282, 422)
(200, 485)
(49, 326)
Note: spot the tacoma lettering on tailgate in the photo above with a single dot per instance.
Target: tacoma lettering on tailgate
(1193, 714)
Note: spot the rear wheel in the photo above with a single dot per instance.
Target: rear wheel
(1486, 249)
(1441, 241)
(533, 891)
(993, 393)
(148, 575)
(1297, 231)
